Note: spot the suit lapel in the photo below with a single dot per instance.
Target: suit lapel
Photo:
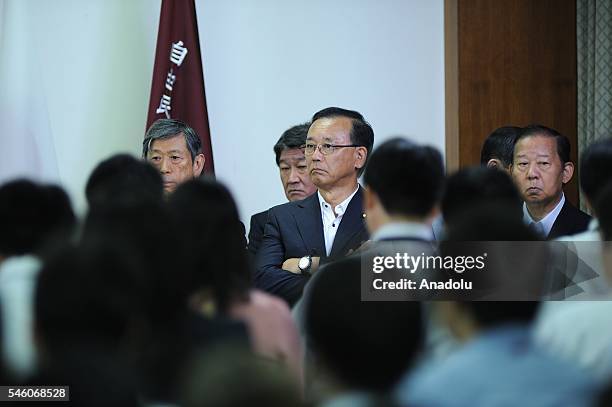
(310, 225)
(351, 225)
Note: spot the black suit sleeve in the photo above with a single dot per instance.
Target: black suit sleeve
(269, 276)
(258, 222)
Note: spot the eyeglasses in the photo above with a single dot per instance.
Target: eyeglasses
(325, 149)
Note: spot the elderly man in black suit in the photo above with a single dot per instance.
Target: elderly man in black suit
(293, 174)
(541, 166)
(327, 225)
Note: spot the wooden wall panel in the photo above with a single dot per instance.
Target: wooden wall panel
(516, 64)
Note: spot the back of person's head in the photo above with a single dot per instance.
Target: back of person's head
(499, 146)
(149, 234)
(213, 239)
(167, 128)
(361, 133)
(211, 381)
(406, 177)
(123, 180)
(479, 185)
(32, 217)
(563, 144)
(294, 137)
(365, 345)
(603, 207)
(85, 298)
(596, 168)
(489, 223)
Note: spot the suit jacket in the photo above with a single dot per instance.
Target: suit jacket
(570, 221)
(294, 230)
(256, 231)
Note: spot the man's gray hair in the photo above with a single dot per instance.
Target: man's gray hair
(166, 128)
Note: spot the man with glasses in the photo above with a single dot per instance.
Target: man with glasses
(327, 225)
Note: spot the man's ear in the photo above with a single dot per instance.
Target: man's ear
(568, 172)
(198, 164)
(361, 154)
(495, 163)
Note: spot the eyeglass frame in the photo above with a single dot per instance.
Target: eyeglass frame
(320, 147)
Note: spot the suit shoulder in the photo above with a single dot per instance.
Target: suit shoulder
(293, 205)
(582, 216)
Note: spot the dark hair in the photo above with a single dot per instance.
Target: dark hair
(152, 240)
(167, 128)
(85, 297)
(563, 144)
(361, 133)
(596, 168)
(123, 179)
(500, 145)
(478, 185)
(294, 137)
(214, 240)
(603, 207)
(486, 224)
(33, 216)
(407, 178)
(348, 334)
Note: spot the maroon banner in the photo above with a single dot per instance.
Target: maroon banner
(177, 90)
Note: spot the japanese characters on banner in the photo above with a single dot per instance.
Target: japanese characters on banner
(177, 89)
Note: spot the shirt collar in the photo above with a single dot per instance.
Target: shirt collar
(341, 207)
(404, 229)
(548, 220)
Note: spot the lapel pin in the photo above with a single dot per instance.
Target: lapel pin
(363, 215)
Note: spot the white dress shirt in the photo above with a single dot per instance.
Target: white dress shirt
(332, 217)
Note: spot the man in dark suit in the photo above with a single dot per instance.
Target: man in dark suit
(294, 177)
(328, 224)
(541, 166)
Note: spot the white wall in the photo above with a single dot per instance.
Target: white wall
(83, 76)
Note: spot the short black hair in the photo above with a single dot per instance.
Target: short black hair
(476, 185)
(294, 137)
(348, 334)
(500, 145)
(361, 133)
(603, 208)
(408, 178)
(213, 240)
(563, 144)
(596, 168)
(33, 216)
(123, 179)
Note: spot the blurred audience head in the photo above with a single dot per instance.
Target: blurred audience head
(123, 180)
(477, 186)
(596, 169)
(498, 147)
(33, 216)
(363, 345)
(213, 241)
(404, 181)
